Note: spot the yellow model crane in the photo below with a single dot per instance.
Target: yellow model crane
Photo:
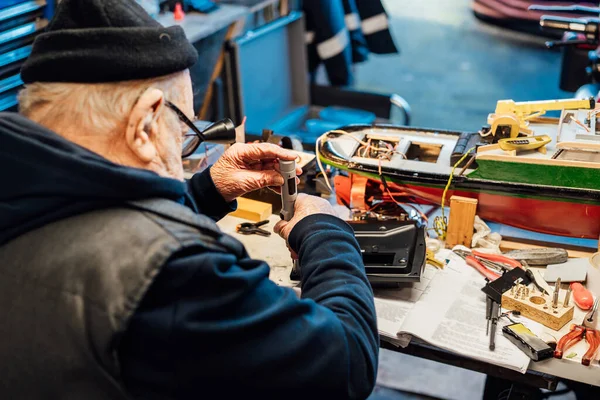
(511, 118)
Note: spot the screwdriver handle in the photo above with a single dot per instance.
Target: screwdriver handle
(581, 296)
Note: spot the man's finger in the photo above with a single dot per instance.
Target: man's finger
(262, 151)
(265, 179)
(279, 226)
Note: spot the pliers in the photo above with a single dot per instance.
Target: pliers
(507, 264)
(251, 228)
(497, 261)
(584, 331)
(478, 264)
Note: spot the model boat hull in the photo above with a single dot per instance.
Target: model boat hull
(557, 210)
(543, 215)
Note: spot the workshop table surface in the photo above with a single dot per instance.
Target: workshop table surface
(273, 250)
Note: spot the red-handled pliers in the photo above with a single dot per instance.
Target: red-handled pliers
(498, 259)
(578, 332)
(472, 261)
(483, 270)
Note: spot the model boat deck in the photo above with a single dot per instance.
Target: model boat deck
(414, 150)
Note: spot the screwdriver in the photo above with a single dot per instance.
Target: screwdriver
(495, 315)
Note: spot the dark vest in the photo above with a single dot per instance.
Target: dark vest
(68, 289)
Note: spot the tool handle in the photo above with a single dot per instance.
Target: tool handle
(498, 258)
(593, 338)
(574, 336)
(581, 296)
(472, 261)
(289, 191)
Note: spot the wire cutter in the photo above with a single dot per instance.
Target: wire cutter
(496, 260)
(476, 263)
(252, 228)
(585, 331)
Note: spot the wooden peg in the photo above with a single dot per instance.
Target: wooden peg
(462, 219)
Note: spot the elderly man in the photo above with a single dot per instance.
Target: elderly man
(115, 281)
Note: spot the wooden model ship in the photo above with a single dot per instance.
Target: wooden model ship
(554, 188)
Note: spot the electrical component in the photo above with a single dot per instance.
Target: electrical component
(289, 191)
(527, 342)
(393, 251)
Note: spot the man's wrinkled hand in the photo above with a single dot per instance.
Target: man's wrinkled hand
(305, 205)
(244, 168)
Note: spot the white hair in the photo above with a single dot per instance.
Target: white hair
(89, 108)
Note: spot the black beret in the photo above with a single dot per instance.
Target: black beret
(106, 41)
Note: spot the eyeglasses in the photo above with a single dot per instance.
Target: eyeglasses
(191, 140)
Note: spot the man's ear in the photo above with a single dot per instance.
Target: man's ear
(142, 126)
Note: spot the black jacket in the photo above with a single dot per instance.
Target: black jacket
(209, 327)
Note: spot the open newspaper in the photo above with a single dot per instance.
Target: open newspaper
(447, 310)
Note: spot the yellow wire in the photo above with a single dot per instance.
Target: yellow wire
(440, 225)
(317, 153)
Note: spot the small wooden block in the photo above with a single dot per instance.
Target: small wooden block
(252, 210)
(462, 219)
(532, 307)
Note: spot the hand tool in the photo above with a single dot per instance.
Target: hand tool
(252, 228)
(555, 294)
(543, 256)
(585, 331)
(289, 191)
(494, 291)
(503, 261)
(567, 297)
(581, 296)
(495, 314)
(488, 313)
(510, 279)
(475, 263)
(533, 278)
